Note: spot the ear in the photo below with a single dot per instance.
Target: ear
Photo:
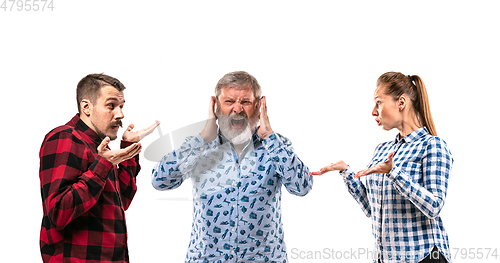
(402, 102)
(86, 107)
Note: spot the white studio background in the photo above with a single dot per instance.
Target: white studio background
(317, 62)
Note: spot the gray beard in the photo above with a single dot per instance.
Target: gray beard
(237, 137)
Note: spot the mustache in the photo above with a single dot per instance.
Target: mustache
(235, 115)
(116, 123)
(231, 115)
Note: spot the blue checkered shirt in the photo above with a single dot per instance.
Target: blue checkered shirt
(404, 205)
(237, 199)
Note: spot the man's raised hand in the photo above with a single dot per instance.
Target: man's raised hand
(136, 136)
(265, 126)
(209, 132)
(117, 156)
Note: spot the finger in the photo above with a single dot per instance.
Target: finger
(264, 118)
(129, 149)
(389, 158)
(147, 131)
(128, 153)
(320, 172)
(362, 173)
(328, 168)
(374, 169)
(136, 151)
(263, 106)
(323, 170)
(103, 144)
(130, 127)
(212, 107)
(154, 125)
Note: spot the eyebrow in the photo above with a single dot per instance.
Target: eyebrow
(113, 99)
(232, 98)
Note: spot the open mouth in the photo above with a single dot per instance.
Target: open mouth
(238, 123)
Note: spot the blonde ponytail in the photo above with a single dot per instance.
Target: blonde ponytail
(422, 105)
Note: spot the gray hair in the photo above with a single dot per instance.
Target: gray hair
(241, 79)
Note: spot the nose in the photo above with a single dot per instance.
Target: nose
(375, 111)
(119, 113)
(237, 107)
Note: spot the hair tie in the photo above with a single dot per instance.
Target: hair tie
(411, 81)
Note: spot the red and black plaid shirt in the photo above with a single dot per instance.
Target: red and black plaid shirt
(84, 197)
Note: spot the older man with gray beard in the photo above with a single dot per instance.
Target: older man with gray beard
(237, 169)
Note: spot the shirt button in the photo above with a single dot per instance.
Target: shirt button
(232, 229)
(201, 149)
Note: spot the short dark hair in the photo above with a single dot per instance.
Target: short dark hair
(90, 87)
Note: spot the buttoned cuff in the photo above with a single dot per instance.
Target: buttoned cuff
(348, 173)
(125, 144)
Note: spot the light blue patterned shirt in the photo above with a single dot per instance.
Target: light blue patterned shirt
(237, 200)
(404, 205)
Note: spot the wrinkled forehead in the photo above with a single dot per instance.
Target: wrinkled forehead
(237, 91)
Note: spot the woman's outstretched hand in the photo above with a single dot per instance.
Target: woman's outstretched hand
(382, 168)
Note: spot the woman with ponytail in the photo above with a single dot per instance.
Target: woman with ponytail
(404, 188)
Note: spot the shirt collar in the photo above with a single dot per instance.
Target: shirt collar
(82, 127)
(416, 134)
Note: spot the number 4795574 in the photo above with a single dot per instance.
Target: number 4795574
(27, 5)
(475, 253)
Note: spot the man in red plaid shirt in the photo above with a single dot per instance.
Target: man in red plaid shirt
(86, 187)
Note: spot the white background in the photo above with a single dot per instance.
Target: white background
(317, 62)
